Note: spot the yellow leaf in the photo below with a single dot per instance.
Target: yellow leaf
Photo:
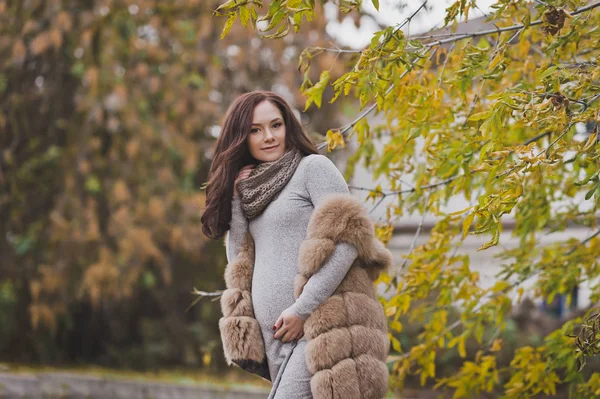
(244, 16)
(227, 5)
(206, 359)
(520, 290)
(395, 343)
(480, 115)
(591, 141)
(459, 212)
(228, 24)
(461, 348)
(496, 60)
(496, 346)
(391, 311)
(334, 139)
(467, 224)
(396, 325)
(40, 43)
(384, 277)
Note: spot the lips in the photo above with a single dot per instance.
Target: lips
(270, 148)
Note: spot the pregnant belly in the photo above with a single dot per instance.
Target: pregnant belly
(272, 293)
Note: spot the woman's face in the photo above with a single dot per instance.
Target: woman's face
(266, 140)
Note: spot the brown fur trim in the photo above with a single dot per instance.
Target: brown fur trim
(343, 218)
(321, 385)
(369, 341)
(331, 217)
(313, 254)
(347, 334)
(380, 258)
(328, 349)
(373, 377)
(241, 339)
(238, 274)
(366, 311)
(328, 315)
(235, 302)
(299, 283)
(356, 280)
(345, 380)
(341, 381)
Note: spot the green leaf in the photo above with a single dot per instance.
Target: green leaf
(148, 279)
(228, 24)
(227, 5)
(92, 184)
(297, 19)
(315, 93)
(244, 16)
(549, 71)
(376, 4)
(467, 224)
(281, 32)
(493, 241)
(480, 115)
(275, 20)
(590, 193)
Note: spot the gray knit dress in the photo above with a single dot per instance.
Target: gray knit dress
(278, 233)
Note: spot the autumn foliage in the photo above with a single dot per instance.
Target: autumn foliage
(492, 116)
(108, 114)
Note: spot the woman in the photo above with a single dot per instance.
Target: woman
(300, 308)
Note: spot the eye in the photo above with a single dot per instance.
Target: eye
(253, 130)
(276, 125)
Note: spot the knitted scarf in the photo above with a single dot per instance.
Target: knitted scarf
(265, 182)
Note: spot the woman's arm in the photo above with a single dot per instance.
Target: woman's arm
(323, 178)
(237, 229)
(324, 282)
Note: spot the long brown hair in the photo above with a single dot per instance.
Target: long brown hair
(232, 154)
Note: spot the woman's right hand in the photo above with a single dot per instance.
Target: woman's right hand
(242, 174)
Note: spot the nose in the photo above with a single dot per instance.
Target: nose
(268, 135)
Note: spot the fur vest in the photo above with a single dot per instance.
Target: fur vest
(347, 334)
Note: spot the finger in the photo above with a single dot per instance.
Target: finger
(287, 336)
(279, 322)
(293, 334)
(280, 332)
(277, 327)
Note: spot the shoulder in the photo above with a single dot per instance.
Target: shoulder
(316, 163)
(320, 176)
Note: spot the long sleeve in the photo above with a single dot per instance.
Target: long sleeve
(237, 229)
(324, 178)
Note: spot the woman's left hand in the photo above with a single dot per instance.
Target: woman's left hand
(288, 326)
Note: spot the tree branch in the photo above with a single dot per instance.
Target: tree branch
(504, 291)
(452, 39)
(414, 240)
(505, 29)
(346, 128)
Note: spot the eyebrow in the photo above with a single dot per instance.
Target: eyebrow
(276, 119)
